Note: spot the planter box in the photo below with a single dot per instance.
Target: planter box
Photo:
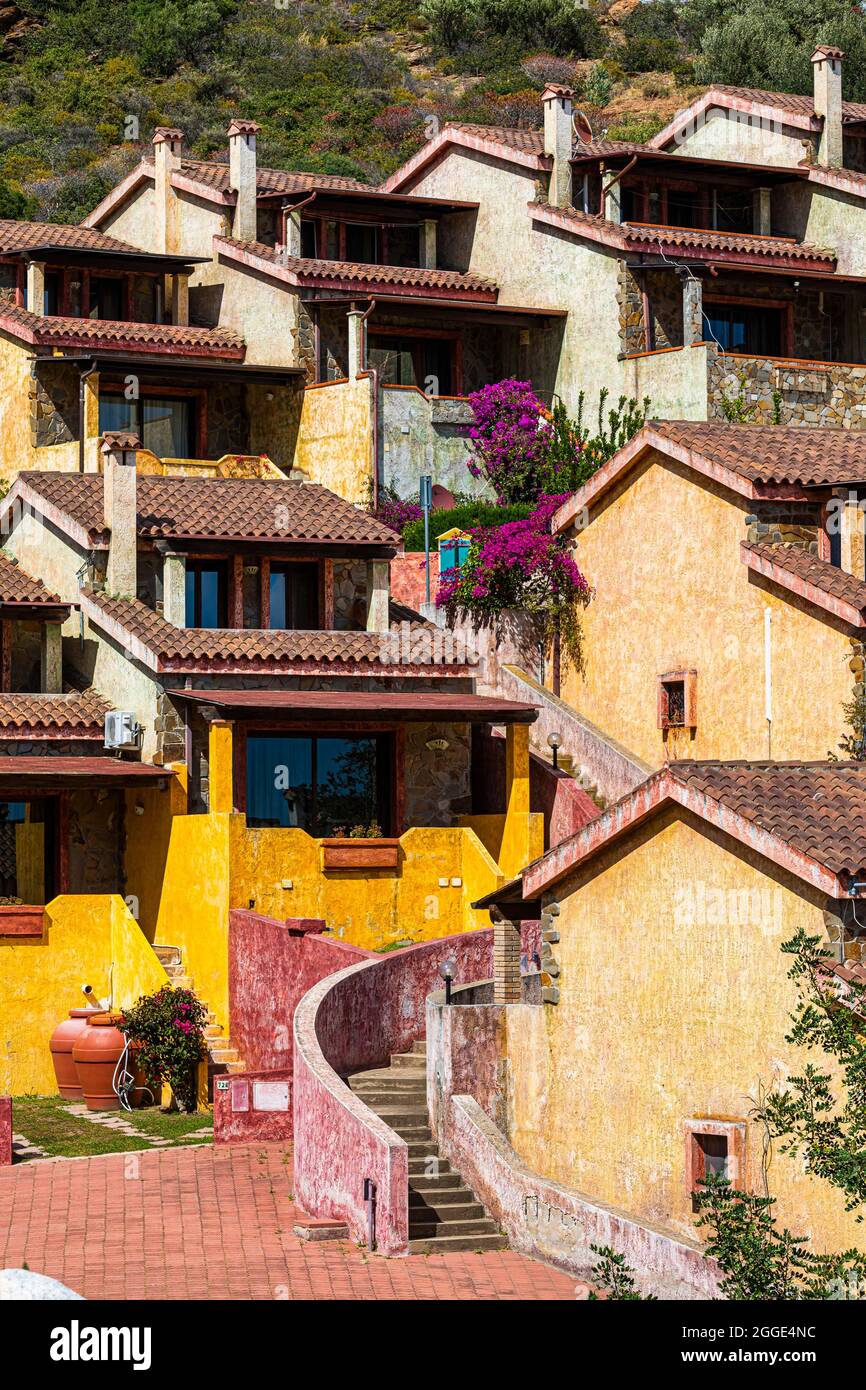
(360, 854)
(23, 920)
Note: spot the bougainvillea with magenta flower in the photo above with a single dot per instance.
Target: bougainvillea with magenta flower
(167, 1029)
(521, 565)
(508, 439)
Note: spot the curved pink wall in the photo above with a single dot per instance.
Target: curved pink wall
(349, 1022)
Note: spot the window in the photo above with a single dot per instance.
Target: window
(308, 239)
(677, 700)
(413, 361)
(26, 852)
(165, 426)
(205, 594)
(294, 597)
(748, 328)
(319, 783)
(106, 298)
(714, 1148)
(362, 243)
(51, 297)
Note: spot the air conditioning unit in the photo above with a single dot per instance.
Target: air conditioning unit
(122, 730)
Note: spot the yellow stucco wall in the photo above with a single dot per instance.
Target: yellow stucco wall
(87, 940)
(16, 450)
(668, 1011)
(334, 445)
(148, 820)
(662, 551)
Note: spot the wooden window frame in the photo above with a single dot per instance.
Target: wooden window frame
(689, 681)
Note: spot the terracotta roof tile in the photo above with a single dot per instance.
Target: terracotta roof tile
(307, 271)
(216, 509)
(819, 574)
(119, 336)
(527, 141)
(817, 808)
(18, 587)
(773, 453)
(252, 649)
(801, 105)
(214, 174)
(77, 714)
(644, 236)
(18, 236)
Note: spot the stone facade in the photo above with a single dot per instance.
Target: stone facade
(53, 400)
(437, 780)
(785, 523)
(774, 392)
(228, 420)
(629, 299)
(96, 841)
(350, 595)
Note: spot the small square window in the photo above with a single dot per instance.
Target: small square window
(714, 1148)
(677, 700)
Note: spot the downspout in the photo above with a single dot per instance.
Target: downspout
(605, 188)
(374, 377)
(768, 678)
(81, 380)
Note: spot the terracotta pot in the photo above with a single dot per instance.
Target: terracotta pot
(62, 1040)
(96, 1052)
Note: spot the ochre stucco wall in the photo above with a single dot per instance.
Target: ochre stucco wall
(665, 1014)
(672, 593)
(335, 445)
(87, 940)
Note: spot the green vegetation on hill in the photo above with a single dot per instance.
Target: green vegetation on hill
(349, 87)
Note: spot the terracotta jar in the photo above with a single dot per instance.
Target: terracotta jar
(96, 1052)
(61, 1043)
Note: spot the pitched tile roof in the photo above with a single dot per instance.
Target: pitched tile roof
(212, 173)
(641, 235)
(265, 651)
(250, 509)
(774, 453)
(817, 808)
(808, 818)
(18, 236)
(77, 714)
(54, 331)
(795, 102)
(18, 587)
(347, 274)
(808, 573)
(528, 141)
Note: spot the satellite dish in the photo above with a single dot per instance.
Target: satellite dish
(581, 127)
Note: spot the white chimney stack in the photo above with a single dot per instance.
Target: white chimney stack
(120, 512)
(827, 73)
(558, 106)
(242, 177)
(167, 150)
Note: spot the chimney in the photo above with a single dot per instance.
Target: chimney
(558, 105)
(242, 177)
(167, 147)
(827, 73)
(120, 512)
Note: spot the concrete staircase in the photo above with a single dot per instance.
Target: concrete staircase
(222, 1056)
(443, 1213)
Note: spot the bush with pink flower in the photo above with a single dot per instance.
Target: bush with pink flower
(521, 565)
(167, 1029)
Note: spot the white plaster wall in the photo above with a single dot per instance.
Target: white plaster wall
(722, 134)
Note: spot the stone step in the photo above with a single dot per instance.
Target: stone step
(421, 1176)
(411, 1061)
(168, 955)
(421, 1148)
(235, 1068)
(213, 1030)
(224, 1054)
(422, 1139)
(390, 1076)
(419, 1046)
(380, 1100)
(449, 1204)
(397, 1115)
(446, 1244)
(432, 1228)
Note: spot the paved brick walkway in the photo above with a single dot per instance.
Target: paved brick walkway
(217, 1223)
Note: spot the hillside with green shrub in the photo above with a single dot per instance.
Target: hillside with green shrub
(350, 88)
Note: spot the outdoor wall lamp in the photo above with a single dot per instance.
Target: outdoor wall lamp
(553, 742)
(447, 970)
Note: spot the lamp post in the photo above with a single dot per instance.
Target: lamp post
(426, 504)
(553, 742)
(447, 970)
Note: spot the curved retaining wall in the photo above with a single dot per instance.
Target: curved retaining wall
(349, 1022)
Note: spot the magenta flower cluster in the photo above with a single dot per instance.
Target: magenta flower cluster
(509, 438)
(397, 513)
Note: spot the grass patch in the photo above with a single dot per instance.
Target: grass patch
(45, 1121)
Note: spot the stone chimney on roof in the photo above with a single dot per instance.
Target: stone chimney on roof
(120, 511)
(167, 151)
(558, 106)
(827, 75)
(242, 177)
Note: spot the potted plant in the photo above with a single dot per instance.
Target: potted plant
(167, 1029)
(364, 847)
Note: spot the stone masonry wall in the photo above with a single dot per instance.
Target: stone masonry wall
(53, 397)
(809, 394)
(437, 780)
(96, 829)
